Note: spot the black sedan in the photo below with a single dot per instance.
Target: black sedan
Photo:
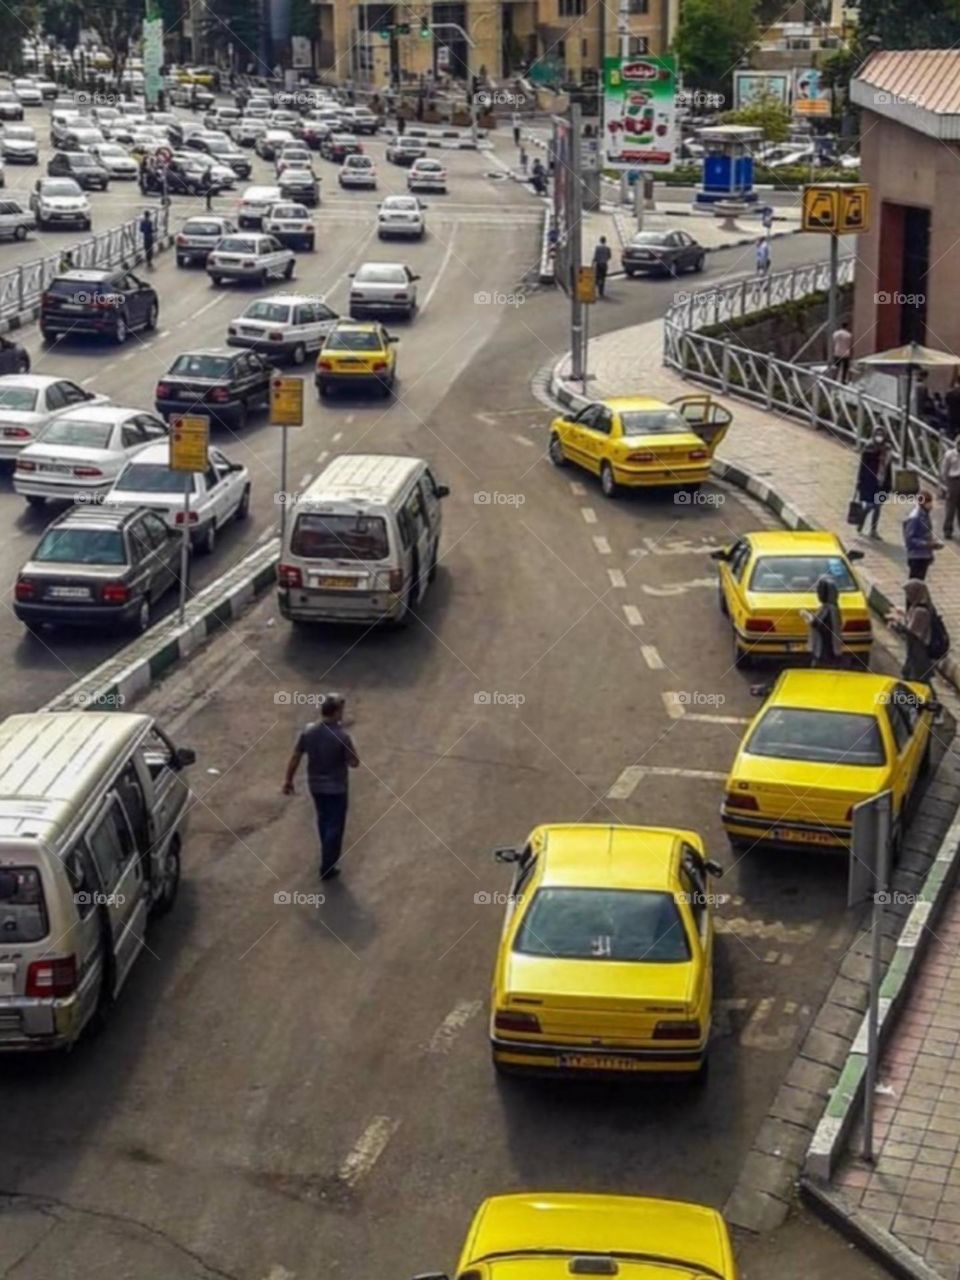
(183, 177)
(222, 384)
(664, 252)
(98, 566)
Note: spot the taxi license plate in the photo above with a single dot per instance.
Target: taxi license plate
(340, 584)
(599, 1062)
(803, 837)
(69, 593)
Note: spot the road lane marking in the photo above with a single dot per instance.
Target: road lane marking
(722, 1015)
(633, 615)
(756, 1037)
(442, 1039)
(617, 580)
(676, 705)
(674, 547)
(589, 515)
(577, 489)
(132, 355)
(164, 333)
(651, 656)
(368, 1149)
(266, 534)
(86, 382)
(349, 418)
(337, 435)
(523, 440)
(634, 774)
(602, 545)
(107, 368)
(214, 302)
(443, 266)
(321, 456)
(485, 418)
(277, 1272)
(679, 588)
(305, 479)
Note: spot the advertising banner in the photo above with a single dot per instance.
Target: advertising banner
(640, 112)
(810, 96)
(748, 86)
(152, 58)
(301, 55)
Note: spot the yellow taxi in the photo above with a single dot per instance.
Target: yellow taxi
(768, 581)
(636, 441)
(357, 353)
(552, 1236)
(823, 742)
(605, 964)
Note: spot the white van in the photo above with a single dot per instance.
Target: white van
(93, 810)
(362, 541)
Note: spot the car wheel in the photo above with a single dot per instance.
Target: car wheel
(120, 333)
(208, 541)
(243, 507)
(36, 500)
(46, 337)
(722, 601)
(261, 279)
(432, 571)
(23, 365)
(310, 245)
(700, 262)
(298, 354)
(170, 881)
(151, 322)
(214, 278)
(323, 389)
(608, 482)
(142, 620)
(288, 270)
(181, 261)
(20, 233)
(628, 273)
(88, 225)
(243, 414)
(386, 388)
(555, 451)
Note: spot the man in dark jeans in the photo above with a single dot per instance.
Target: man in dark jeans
(330, 753)
(147, 234)
(918, 539)
(601, 265)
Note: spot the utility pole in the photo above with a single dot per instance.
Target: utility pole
(471, 46)
(832, 292)
(575, 233)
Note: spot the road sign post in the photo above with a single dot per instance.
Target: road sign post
(286, 410)
(189, 448)
(835, 209)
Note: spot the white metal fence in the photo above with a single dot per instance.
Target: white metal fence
(778, 385)
(21, 287)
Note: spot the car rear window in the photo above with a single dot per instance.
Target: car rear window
(231, 244)
(604, 924)
(652, 423)
(19, 399)
(81, 546)
(73, 431)
(332, 537)
(202, 229)
(353, 340)
(785, 574)
(381, 275)
(23, 910)
(202, 366)
(823, 737)
(71, 288)
(276, 312)
(149, 477)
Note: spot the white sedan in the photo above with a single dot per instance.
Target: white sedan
(401, 216)
(117, 160)
(79, 455)
(427, 175)
(218, 495)
(358, 171)
(28, 401)
(28, 91)
(253, 256)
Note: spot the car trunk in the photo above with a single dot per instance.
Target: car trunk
(780, 614)
(60, 461)
(810, 792)
(66, 584)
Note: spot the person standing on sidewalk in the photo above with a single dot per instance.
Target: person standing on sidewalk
(601, 265)
(841, 349)
(330, 754)
(516, 129)
(918, 537)
(763, 256)
(916, 624)
(766, 218)
(950, 492)
(873, 479)
(147, 235)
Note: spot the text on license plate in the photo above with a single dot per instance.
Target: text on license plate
(71, 306)
(337, 584)
(803, 837)
(599, 1062)
(69, 593)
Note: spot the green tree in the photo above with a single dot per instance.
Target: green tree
(236, 22)
(62, 19)
(20, 21)
(836, 71)
(712, 36)
(119, 24)
(303, 19)
(765, 112)
(911, 24)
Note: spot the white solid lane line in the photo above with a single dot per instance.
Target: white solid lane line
(368, 1149)
(442, 268)
(634, 774)
(442, 1039)
(214, 302)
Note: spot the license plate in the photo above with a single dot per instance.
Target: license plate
(69, 593)
(794, 646)
(248, 332)
(338, 584)
(71, 306)
(348, 361)
(6, 983)
(803, 837)
(598, 1062)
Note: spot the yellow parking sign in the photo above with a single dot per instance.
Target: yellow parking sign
(841, 208)
(854, 208)
(189, 440)
(587, 285)
(286, 402)
(821, 206)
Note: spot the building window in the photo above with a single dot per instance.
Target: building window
(572, 8)
(638, 45)
(639, 6)
(583, 48)
(562, 50)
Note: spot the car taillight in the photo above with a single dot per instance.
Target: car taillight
(396, 581)
(186, 517)
(47, 978)
(644, 456)
(761, 624)
(87, 473)
(48, 299)
(181, 239)
(24, 590)
(164, 390)
(324, 364)
(737, 800)
(288, 575)
(399, 297)
(248, 263)
(24, 465)
(105, 304)
(115, 593)
(857, 624)
(511, 1020)
(688, 1029)
(219, 394)
(380, 367)
(697, 455)
(16, 433)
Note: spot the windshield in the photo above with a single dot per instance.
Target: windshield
(288, 211)
(333, 537)
(81, 546)
(656, 422)
(353, 340)
(604, 924)
(278, 313)
(73, 431)
(202, 366)
(66, 188)
(112, 150)
(23, 911)
(150, 477)
(381, 275)
(781, 574)
(202, 229)
(824, 737)
(20, 399)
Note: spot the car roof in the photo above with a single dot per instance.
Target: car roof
(399, 266)
(361, 478)
(856, 691)
(638, 404)
(255, 191)
(291, 298)
(208, 351)
(99, 516)
(35, 380)
(111, 413)
(795, 542)
(82, 276)
(618, 857)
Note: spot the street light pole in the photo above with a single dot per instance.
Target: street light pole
(471, 45)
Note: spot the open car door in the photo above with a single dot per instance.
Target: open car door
(704, 416)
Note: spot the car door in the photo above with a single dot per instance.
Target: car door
(261, 371)
(141, 295)
(166, 546)
(222, 487)
(910, 731)
(595, 437)
(9, 357)
(132, 438)
(432, 506)
(112, 848)
(415, 514)
(154, 429)
(145, 579)
(735, 585)
(693, 882)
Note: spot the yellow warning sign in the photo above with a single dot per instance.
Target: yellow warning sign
(821, 209)
(587, 285)
(836, 207)
(286, 402)
(854, 209)
(189, 438)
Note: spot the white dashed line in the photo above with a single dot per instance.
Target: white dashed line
(305, 479)
(602, 545)
(108, 367)
(676, 705)
(617, 580)
(267, 534)
(86, 382)
(338, 435)
(164, 333)
(577, 489)
(442, 1039)
(631, 777)
(214, 302)
(350, 418)
(589, 515)
(633, 615)
(523, 440)
(321, 456)
(368, 1149)
(651, 656)
(132, 355)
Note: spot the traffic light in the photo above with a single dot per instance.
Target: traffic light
(425, 32)
(402, 29)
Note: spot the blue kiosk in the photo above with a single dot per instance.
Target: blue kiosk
(728, 164)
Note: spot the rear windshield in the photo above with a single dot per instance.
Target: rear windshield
(278, 313)
(288, 211)
(86, 435)
(340, 538)
(799, 573)
(202, 229)
(230, 244)
(21, 132)
(81, 546)
(20, 399)
(356, 341)
(657, 423)
(823, 737)
(201, 366)
(149, 477)
(604, 924)
(23, 911)
(381, 275)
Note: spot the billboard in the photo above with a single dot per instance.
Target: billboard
(152, 57)
(563, 198)
(810, 96)
(301, 54)
(748, 86)
(640, 112)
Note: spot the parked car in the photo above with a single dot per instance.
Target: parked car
(29, 401)
(358, 171)
(254, 204)
(98, 566)
(116, 160)
(295, 155)
(226, 385)
(383, 288)
(15, 221)
(86, 170)
(11, 108)
(113, 303)
(666, 252)
(360, 120)
(285, 326)
(81, 136)
(198, 236)
(60, 202)
(290, 224)
(401, 216)
(223, 151)
(79, 455)
(404, 150)
(218, 495)
(250, 256)
(427, 175)
(246, 131)
(28, 93)
(18, 144)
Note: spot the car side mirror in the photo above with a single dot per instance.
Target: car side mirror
(712, 868)
(351, 274)
(507, 853)
(932, 705)
(443, 491)
(414, 278)
(854, 555)
(721, 554)
(393, 338)
(183, 757)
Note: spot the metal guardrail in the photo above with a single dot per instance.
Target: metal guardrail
(795, 390)
(21, 287)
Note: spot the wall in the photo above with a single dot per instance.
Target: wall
(786, 329)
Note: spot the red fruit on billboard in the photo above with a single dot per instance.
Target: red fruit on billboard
(640, 71)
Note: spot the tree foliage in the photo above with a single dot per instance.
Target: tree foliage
(119, 24)
(765, 112)
(20, 21)
(712, 36)
(236, 22)
(911, 24)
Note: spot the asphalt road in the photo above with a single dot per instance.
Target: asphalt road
(288, 1090)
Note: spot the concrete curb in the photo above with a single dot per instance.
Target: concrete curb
(29, 315)
(450, 140)
(120, 680)
(881, 1245)
(548, 273)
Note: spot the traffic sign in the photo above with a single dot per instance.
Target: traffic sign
(854, 209)
(836, 207)
(286, 402)
(189, 439)
(821, 208)
(587, 285)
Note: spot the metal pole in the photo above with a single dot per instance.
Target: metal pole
(832, 294)
(873, 1012)
(283, 485)
(638, 199)
(575, 233)
(185, 544)
(586, 348)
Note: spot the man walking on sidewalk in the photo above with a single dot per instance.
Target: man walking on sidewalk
(918, 537)
(147, 234)
(516, 128)
(950, 480)
(841, 348)
(763, 257)
(330, 753)
(601, 264)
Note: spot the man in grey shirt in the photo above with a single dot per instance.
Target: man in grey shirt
(330, 753)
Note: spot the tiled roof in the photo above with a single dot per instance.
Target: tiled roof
(918, 87)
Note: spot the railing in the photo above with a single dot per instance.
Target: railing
(779, 385)
(21, 287)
